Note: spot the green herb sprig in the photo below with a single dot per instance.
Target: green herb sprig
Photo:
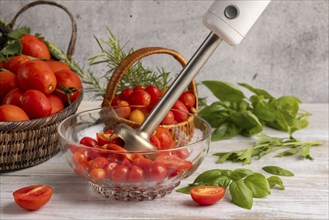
(265, 145)
(244, 184)
(235, 114)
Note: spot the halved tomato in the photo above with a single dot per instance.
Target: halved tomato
(207, 195)
(33, 197)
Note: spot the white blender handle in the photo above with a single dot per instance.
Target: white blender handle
(231, 20)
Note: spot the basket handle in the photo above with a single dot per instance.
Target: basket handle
(129, 61)
(71, 47)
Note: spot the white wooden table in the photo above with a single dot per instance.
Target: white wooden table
(305, 197)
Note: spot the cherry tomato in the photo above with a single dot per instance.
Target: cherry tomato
(36, 74)
(103, 138)
(8, 82)
(57, 65)
(140, 98)
(157, 172)
(99, 162)
(207, 195)
(137, 116)
(164, 137)
(108, 169)
(174, 164)
(168, 119)
(36, 104)
(33, 197)
(56, 104)
(154, 93)
(14, 97)
(123, 109)
(119, 173)
(97, 174)
(135, 174)
(182, 112)
(139, 87)
(126, 92)
(188, 99)
(69, 85)
(80, 158)
(182, 153)
(12, 113)
(3, 64)
(89, 141)
(82, 170)
(35, 47)
(115, 101)
(15, 62)
(142, 162)
(155, 141)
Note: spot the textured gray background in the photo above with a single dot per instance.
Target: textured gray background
(286, 52)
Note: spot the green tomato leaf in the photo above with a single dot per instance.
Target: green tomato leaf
(225, 91)
(12, 47)
(225, 131)
(258, 184)
(17, 33)
(275, 180)
(277, 171)
(259, 92)
(241, 195)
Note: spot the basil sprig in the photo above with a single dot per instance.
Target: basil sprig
(235, 114)
(244, 184)
(277, 171)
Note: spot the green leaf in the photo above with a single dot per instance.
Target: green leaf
(208, 176)
(243, 172)
(305, 152)
(247, 122)
(245, 155)
(277, 171)
(185, 190)
(225, 91)
(275, 180)
(258, 184)
(259, 92)
(17, 33)
(12, 47)
(241, 195)
(225, 131)
(288, 105)
(289, 152)
(222, 157)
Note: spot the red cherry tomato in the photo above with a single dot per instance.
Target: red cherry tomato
(155, 141)
(174, 164)
(154, 93)
(36, 104)
(14, 97)
(56, 104)
(168, 119)
(142, 162)
(89, 141)
(182, 153)
(8, 82)
(15, 62)
(33, 197)
(99, 162)
(207, 195)
(157, 172)
(126, 93)
(108, 169)
(3, 64)
(123, 109)
(36, 74)
(182, 112)
(164, 137)
(115, 101)
(97, 174)
(35, 47)
(135, 174)
(119, 173)
(139, 87)
(12, 113)
(80, 158)
(57, 65)
(188, 99)
(140, 98)
(82, 170)
(69, 85)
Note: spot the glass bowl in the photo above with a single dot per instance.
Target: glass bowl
(122, 175)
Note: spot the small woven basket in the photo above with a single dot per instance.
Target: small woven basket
(28, 143)
(186, 126)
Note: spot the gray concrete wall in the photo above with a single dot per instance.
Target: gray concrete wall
(286, 52)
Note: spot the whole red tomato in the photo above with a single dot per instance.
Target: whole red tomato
(8, 81)
(36, 74)
(126, 92)
(14, 97)
(140, 97)
(12, 113)
(14, 62)
(69, 85)
(154, 93)
(57, 65)
(164, 137)
(34, 47)
(182, 112)
(168, 119)
(33, 197)
(36, 104)
(56, 104)
(188, 99)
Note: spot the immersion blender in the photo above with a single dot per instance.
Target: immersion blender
(229, 21)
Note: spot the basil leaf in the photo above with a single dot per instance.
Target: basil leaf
(245, 155)
(223, 181)
(277, 171)
(243, 172)
(222, 157)
(17, 33)
(224, 91)
(288, 152)
(225, 131)
(259, 92)
(208, 176)
(247, 121)
(241, 195)
(185, 190)
(275, 180)
(258, 184)
(305, 152)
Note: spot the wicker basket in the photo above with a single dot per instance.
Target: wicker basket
(28, 143)
(186, 126)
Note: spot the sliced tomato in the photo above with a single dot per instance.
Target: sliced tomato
(174, 164)
(33, 197)
(207, 195)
